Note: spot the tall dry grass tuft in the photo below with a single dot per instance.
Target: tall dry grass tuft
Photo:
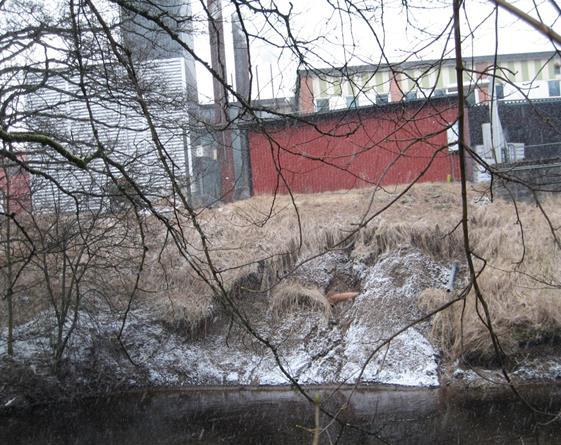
(516, 319)
(429, 238)
(291, 296)
(519, 283)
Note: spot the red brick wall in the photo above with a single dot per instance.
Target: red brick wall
(484, 95)
(343, 150)
(306, 94)
(396, 94)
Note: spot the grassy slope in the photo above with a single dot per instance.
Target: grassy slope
(523, 295)
(261, 236)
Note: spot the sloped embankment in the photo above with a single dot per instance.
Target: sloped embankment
(178, 333)
(316, 344)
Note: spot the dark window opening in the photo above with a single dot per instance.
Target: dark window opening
(411, 95)
(322, 105)
(470, 97)
(554, 90)
(439, 92)
(381, 98)
(499, 91)
(351, 102)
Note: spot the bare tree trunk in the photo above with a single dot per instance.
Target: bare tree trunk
(9, 265)
(9, 291)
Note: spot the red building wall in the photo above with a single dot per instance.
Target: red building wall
(15, 192)
(392, 144)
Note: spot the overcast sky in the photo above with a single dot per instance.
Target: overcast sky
(336, 38)
(400, 31)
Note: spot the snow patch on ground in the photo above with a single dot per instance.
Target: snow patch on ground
(319, 271)
(537, 369)
(408, 360)
(312, 349)
(540, 369)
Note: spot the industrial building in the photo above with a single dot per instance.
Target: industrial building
(337, 150)
(517, 76)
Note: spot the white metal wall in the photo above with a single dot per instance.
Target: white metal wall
(123, 131)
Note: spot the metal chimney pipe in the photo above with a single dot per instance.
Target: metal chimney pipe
(241, 58)
(243, 88)
(221, 108)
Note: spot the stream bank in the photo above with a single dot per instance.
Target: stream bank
(317, 344)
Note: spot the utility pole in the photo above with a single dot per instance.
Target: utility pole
(221, 109)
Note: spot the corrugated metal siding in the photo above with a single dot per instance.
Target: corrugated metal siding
(122, 129)
(393, 145)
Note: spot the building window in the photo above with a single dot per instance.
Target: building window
(381, 99)
(554, 90)
(557, 69)
(338, 87)
(322, 105)
(470, 97)
(499, 91)
(453, 135)
(439, 92)
(411, 95)
(351, 102)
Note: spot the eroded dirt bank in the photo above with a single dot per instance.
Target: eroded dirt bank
(316, 343)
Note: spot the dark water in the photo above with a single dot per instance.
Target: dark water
(220, 416)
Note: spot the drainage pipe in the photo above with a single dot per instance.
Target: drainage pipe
(452, 277)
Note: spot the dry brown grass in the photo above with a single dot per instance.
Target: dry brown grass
(522, 306)
(291, 296)
(172, 289)
(88, 261)
(261, 236)
(257, 236)
(524, 297)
